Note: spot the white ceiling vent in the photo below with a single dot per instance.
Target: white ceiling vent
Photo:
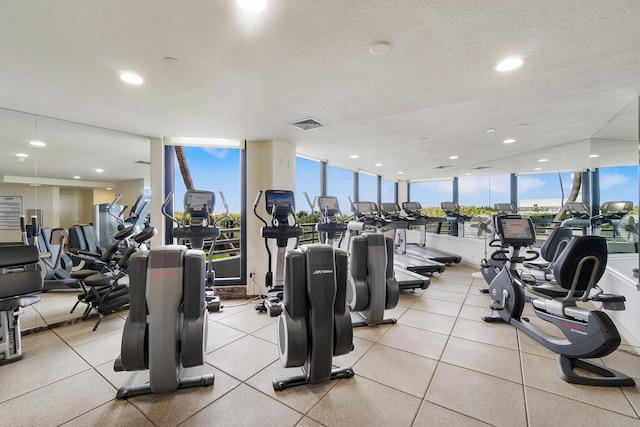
(308, 124)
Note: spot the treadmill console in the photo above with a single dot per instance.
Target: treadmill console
(450, 208)
(515, 230)
(412, 207)
(390, 209)
(578, 210)
(368, 209)
(505, 208)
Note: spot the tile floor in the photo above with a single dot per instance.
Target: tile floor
(438, 365)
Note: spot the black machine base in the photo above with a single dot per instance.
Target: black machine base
(139, 390)
(363, 322)
(280, 384)
(607, 377)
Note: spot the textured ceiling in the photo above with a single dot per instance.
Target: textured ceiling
(242, 76)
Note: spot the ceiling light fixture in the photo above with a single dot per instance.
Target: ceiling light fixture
(593, 156)
(38, 143)
(468, 173)
(76, 177)
(99, 170)
(543, 160)
(378, 164)
(491, 130)
(108, 188)
(252, 6)
(453, 157)
(509, 64)
(131, 78)
(380, 48)
(509, 141)
(22, 156)
(354, 156)
(400, 172)
(537, 169)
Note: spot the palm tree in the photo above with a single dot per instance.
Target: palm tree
(183, 164)
(575, 189)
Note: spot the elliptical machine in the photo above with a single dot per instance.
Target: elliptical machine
(280, 205)
(166, 329)
(588, 333)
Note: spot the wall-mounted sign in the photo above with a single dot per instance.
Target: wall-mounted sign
(10, 212)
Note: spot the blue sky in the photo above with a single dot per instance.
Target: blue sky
(218, 169)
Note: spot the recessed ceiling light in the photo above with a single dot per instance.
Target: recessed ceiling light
(131, 78)
(76, 177)
(468, 173)
(400, 172)
(378, 164)
(509, 141)
(99, 170)
(593, 156)
(253, 6)
(22, 155)
(491, 130)
(354, 156)
(380, 48)
(537, 169)
(38, 143)
(453, 157)
(509, 64)
(543, 160)
(108, 188)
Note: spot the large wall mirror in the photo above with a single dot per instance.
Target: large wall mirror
(79, 167)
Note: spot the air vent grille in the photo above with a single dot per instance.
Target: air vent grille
(142, 162)
(308, 124)
(479, 168)
(443, 167)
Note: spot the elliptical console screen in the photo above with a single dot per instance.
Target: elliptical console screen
(516, 231)
(279, 198)
(329, 204)
(450, 207)
(365, 208)
(199, 200)
(411, 207)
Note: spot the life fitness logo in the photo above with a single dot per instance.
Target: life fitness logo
(575, 328)
(164, 274)
(322, 272)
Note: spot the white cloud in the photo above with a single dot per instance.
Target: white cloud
(612, 180)
(527, 183)
(219, 153)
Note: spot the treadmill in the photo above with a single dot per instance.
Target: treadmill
(415, 217)
(369, 215)
(330, 210)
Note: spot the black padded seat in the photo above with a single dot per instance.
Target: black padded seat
(552, 247)
(98, 280)
(83, 274)
(581, 264)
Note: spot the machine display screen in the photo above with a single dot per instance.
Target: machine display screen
(280, 198)
(450, 206)
(199, 199)
(329, 204)
(366, 208)
(389, 208)
(411, 206)
(516, 230)
(505, 208)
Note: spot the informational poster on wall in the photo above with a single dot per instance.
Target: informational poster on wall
(10, 211)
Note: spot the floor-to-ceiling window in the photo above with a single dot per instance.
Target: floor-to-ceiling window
(307, 181)
(431, 193)
(388, 191)
(340, 184)
(367, 187)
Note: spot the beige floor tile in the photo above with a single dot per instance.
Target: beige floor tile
(541, 373)
(116, 413)
(361, 402)
(428, 321)
(545, 409)
(488, 359)
(30, 319)
(41, 344)
(445, 295)
(529, 345)
(418, 341)
(477, 299)
(268, 333)
(472, 312)
(409, 297)
(247, 321)
(308, 422)
(625, 359)
(102, 350)
(30, 374)
(633, 394)
(437, 306)
(301, 398)
(370, 333)
(58, 402)
(243, 358)
(499, 334)
(232, 307)
(245, 406)
(219, 335)
(397, 369)
(360, 347)
(476, 395)
(448, 285)
(80, 333)
(433, 415)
